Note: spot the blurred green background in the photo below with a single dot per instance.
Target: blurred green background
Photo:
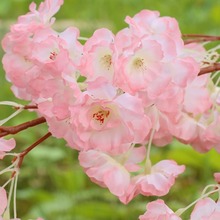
(51, 183)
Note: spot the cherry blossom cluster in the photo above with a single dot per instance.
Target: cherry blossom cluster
(114, 96)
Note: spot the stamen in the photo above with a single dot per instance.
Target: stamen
(139, 64)
(106, 61)
(101, 115)
(53, 55)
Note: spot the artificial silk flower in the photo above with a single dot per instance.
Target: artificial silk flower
(206, 209)
(158, 210)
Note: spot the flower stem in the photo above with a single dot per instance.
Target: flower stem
(179, 212)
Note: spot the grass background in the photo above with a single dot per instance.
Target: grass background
(51, 183)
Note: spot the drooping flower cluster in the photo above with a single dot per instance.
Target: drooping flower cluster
(115, 94)
(105, 96)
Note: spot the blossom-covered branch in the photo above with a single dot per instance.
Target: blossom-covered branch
(116, 96)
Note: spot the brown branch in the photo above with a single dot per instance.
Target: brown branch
(27, 150)
(189, 41)
(192, 38)
(199, 35)
(5, 130)
(209, 69)
(27, 107)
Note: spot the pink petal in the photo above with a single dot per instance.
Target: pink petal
(7, 145)
(3, 200)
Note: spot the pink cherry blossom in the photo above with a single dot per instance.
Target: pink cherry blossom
(51, 58)
(196, 51)
(28, 25)
(197, 99)
(104, 119)
(162, 105)
(44, 13)
(194, 115)
(158, 210)
(148, 22)
(217, 177)
(3, 200)
(6, 146)
(105, 171)
(206, 209)
(142, 55)
(137, 64)
(97, 56)
(40, 54)
(156, 181)
(112, 172)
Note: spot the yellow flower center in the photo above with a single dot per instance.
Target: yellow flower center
(138, 63)
(106, 61)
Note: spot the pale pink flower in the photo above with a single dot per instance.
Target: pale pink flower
(150, 23)
(217, 177)
(208, 137)
(196, 51)
(142, 53)
(158, 210)
(3, 200)
(6, 146)
(196, 118)
(206, 209)
(197, 98)
(103, 119)
(157, 181)
(51, 57)
(105, 171)
(109, 171)
(199, 126)
(136, 64)
(44, 13)
(182, 70)
(97, 56)
(40, 54)
(30, 24)
(162, 106)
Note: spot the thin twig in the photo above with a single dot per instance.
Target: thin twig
(5, 130)
(209, 69)
(27, 150)
(199, 35)
(27, 107)
(193, 38)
